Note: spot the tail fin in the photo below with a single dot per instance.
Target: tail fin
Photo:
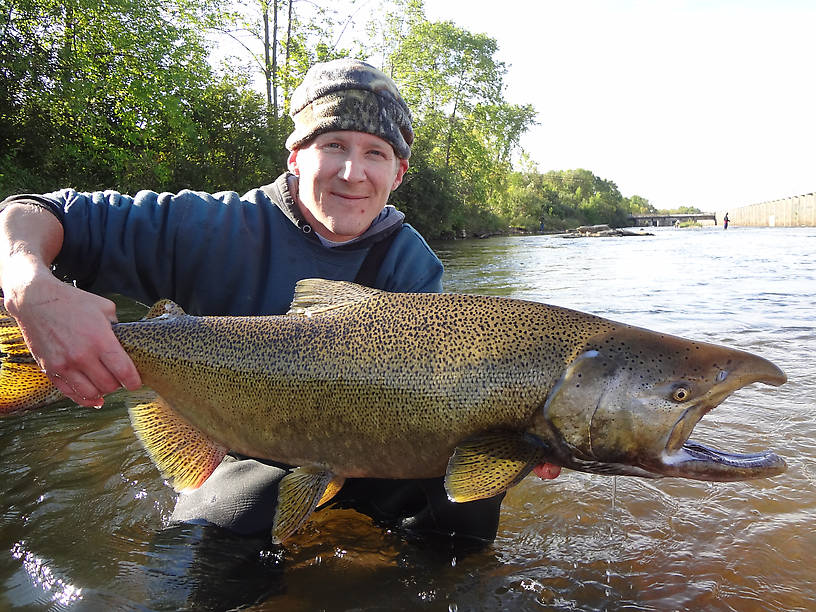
(23, 385)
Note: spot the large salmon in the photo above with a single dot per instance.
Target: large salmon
(356, 382)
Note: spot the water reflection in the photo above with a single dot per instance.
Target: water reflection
(40, 574)
(83, 512)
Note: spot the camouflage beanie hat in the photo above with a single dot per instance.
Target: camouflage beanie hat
(347, 94)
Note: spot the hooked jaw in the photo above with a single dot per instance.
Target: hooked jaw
(700, 462)
(688, 459)
(629, 404)
(613, 414)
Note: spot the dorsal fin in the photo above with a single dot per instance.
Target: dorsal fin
(165, 308)
(315, 295)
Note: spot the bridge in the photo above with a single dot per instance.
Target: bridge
(668, 219)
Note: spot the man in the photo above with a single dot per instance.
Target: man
(224, 254)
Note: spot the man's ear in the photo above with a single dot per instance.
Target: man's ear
(402, 168)
(291, 162)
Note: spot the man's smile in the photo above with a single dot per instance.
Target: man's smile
(349, 196)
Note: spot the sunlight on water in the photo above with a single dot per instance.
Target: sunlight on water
(83, 516)
(42, 576)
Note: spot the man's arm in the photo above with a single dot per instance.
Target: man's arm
(66, 329)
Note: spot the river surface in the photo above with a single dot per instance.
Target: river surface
(83, 513)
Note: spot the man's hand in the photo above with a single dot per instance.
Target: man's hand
(67, 330)
(69, 333)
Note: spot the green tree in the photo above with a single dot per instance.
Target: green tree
(685, 210)
(446, 72)
(123, 74)
(638, 205)
(232, 146)
(133, 102)
(557, 200)
(120, 94)
(387, 28)
(282, 38)
(466, 132)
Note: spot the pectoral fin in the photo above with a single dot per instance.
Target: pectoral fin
(299, 493)
(489, 464)
(184, 455)
(332, 489)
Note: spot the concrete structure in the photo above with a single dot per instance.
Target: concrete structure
(796, 211)
(668, 220)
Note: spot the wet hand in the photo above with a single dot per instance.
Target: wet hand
(69, 333)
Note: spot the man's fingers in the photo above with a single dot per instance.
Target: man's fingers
(89, 381)
(120, 367)
(76, 387)
(100, 378)
(69, 333)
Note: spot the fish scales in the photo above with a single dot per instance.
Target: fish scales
(358, 382)
(396, 376)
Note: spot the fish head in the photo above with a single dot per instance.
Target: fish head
(627, 404)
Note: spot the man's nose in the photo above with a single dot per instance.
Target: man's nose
(352, 169)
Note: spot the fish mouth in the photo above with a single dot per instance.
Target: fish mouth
(700, 462)
(685, 458)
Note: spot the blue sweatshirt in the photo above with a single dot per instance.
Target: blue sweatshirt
(220, 254)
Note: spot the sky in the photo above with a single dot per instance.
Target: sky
(707, 104)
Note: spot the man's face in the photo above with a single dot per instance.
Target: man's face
(344, 180)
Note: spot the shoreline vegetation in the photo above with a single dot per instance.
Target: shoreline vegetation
(129, 96)
(584, 231)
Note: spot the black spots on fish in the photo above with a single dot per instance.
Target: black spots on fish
(651, 357)
(440, 361)
(463, 350)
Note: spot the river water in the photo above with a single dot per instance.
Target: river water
(83, 512)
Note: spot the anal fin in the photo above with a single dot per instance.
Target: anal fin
(184, 455)
(489, 464)
(299, 493)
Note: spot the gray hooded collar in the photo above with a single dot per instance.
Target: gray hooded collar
(386, 223)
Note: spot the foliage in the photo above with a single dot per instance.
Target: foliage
(557, 200)
(641, 206)
(684, 210)
(466, 132)
(121, 95)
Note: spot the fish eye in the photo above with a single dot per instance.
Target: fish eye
(681, 393)
(721, 376)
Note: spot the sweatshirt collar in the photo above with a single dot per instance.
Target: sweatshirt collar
(388, 221)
